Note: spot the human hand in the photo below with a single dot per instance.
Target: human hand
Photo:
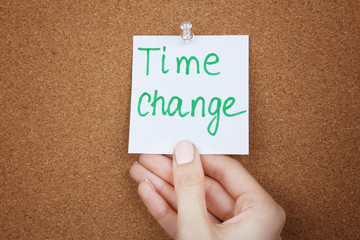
(226, 203)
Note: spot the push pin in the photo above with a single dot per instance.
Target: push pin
(187, 35)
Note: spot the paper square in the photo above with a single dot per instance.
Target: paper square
(218, 73)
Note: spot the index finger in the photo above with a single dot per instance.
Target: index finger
(231, 175)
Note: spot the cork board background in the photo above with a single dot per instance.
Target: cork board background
(65, 71)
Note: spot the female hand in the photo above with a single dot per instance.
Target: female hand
(224, 203)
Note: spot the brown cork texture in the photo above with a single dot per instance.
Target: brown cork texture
(65, 71)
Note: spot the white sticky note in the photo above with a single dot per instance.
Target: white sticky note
(196, 91)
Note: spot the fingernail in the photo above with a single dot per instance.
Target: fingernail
(146, 180)
(184, 152)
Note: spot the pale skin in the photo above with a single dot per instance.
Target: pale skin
(210, 197)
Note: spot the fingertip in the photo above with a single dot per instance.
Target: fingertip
(132, 170)
(143, 157)
(151, 185)
(184, 152)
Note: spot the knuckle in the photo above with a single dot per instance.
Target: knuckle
(161, 214)
(281, 214)
(209, 186)
(162, 188)
(190, 180)
(277, 214)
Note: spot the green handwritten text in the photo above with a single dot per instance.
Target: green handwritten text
(175, 107)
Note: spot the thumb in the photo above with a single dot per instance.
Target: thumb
(190, 191)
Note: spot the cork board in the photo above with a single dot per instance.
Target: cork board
(65, 71)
